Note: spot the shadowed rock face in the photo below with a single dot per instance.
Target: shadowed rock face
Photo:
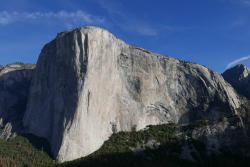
(14, 87)
(239, 78)
(89, 84)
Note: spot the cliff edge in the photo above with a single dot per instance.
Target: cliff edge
(88, 84)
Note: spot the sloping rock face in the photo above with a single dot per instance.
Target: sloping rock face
(239, 78)
(14, 90)
(89, 84)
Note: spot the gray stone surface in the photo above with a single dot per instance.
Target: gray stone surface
(14, 87)
(89, 84)
(239, 77)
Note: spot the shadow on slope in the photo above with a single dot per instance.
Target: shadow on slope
(14, 90)
(157, 146)
(38, 143)
(130, 160)
(155, 158)
(20, 152)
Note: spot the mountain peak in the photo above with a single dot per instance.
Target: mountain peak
(239, 77)
(239, 71)
(85, 29)
(240, 67)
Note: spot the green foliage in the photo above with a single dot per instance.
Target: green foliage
(118, 151)
(19, 152)
(198, 124)
(124, 141)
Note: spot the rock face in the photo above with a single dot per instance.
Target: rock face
(14, 89)
(239, 78)
(89, 84)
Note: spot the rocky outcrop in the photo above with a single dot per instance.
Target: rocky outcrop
(14, 87)
(89, 84)
(239, 78)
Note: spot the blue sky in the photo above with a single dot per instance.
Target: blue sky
(214, 33)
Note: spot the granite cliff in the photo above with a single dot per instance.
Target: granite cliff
(239, 78)
(14, 87)
(88, 84)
